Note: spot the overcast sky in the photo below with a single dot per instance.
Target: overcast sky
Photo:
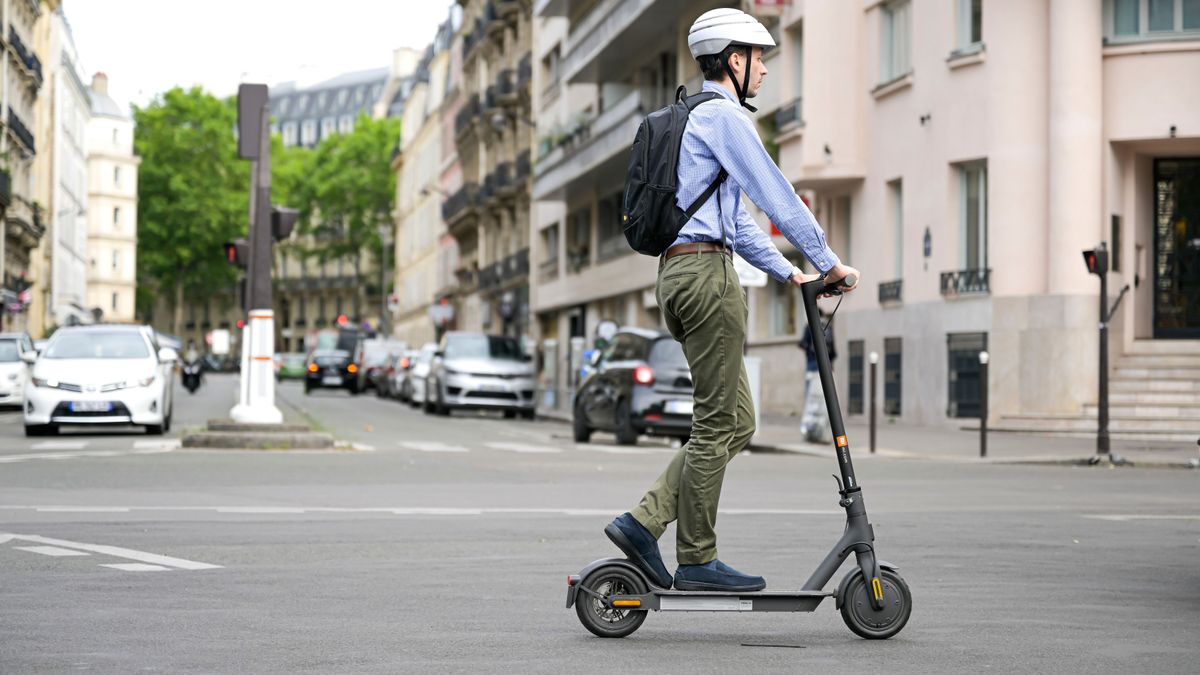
(148, 46)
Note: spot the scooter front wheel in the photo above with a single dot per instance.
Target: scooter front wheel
(595, 615)
(861, 618)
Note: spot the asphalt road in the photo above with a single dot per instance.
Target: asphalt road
(443, 545)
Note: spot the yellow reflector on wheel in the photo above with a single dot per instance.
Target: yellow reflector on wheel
(627, 603)
(877, 588)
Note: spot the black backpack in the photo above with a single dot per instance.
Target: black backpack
(649, 215)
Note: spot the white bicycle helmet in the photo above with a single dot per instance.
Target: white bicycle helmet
(716, 29)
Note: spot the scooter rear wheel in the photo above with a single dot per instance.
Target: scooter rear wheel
(861, 618)
(609, 622)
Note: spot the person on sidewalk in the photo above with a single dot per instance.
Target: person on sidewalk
(814, 421)
(704, 306)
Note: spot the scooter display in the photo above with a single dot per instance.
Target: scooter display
(613, 596)
(191, 376)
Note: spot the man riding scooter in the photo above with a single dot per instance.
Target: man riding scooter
(192, 370)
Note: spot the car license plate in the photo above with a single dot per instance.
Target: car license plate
(678, 407)
(487, 386)
(332, 381)
(91, 406)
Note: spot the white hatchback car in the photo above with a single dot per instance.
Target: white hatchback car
(13, 346)
(100, 375)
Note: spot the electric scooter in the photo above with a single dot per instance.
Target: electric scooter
(612, 596)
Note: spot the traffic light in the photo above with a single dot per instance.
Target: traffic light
(283, 221)
(237, 252)
(1096, 261)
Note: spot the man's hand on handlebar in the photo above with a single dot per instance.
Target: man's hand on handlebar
(835, 274)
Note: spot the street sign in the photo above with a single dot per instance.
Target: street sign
(441, 314)
(748, 274)
(251, 99)
(220, 341)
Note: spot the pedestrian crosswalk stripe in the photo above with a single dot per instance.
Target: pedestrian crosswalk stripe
(614, 449)
(59, 445)
(157, 444)
(51, 551)
(431, 446)
(137, 567)
(524, 447)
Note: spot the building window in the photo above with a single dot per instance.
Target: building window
(116, 218)
(116, 261)
(854, 405)
(896, 196)
(970, 25)
(612, 237)
(117, 176)
(579, 239)
(963, 388)
(289, 134)
(973, 216)
(892, 352)
(328, 127)
(114, 302)
(895, 47)
(346, 124)
(308, 132)
(1138, 20)
(550, 245)
(116, 136)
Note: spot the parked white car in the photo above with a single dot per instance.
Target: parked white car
(100, 375)
(419, 373)
(13, 370)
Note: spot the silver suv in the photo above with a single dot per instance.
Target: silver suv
(474, 370)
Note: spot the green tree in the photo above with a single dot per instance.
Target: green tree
(347, 192)
(193, 194)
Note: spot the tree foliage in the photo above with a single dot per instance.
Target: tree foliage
(193, 194)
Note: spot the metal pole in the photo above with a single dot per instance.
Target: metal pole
(383, 296)
(1102, 446)
(874, 365)
(983, 403)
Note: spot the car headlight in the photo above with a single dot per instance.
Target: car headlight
(451, 371)
(13, 376)
(146, 381)
(50, 384)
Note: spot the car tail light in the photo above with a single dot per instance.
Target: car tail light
(404, 363)
(312, 368)
(352, 368)
(643, 375)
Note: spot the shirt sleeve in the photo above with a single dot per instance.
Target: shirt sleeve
(740, 151)
(756, 246)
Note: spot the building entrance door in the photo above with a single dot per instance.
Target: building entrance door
(1177, 248)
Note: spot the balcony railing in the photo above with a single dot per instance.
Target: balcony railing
(31, 61)
(966, 282)
(525, 70)
(19, 130)
(458, 203)
(891, 291)
(502, 181)
(466, 115)
(789, 116)
(506, 90)
(513, 267)
(548, 269)
(491, 18)
(490, 100)
(523, 166)
(471, 39)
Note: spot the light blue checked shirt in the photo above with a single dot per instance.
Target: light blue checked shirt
(719, 135)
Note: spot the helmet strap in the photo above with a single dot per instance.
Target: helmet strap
(745, 86)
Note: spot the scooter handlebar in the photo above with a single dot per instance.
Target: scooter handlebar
(836, 287)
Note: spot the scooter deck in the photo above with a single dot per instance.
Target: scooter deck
(721, 601)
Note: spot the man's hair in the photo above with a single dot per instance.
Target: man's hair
(713, 65)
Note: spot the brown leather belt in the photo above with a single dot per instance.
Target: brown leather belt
(696, 247)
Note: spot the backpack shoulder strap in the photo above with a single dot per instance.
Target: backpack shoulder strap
(696, 99)
(708, 192)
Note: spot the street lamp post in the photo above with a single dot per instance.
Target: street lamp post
(384, 324)
(983, 403)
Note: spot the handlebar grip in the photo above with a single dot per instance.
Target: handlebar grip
(836, 287)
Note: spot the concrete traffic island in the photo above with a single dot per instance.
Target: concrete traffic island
(229, 435)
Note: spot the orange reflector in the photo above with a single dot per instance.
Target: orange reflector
(841, 441)
(627, 603)
(312, 368)
(352, 368)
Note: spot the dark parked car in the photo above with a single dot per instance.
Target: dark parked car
(640, 384)
(331, 369)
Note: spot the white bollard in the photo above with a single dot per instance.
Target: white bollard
(258, 376)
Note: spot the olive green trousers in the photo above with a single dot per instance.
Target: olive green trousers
(705, 309)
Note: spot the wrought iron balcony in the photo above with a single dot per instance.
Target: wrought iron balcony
(523, 166)
(490, 100)
(891, 291)
(459, 203)
(525, 70)
(789, 116)
(464, 120)
(966, 282)
(19, 130)
(506, 89)
(502, 182)
(489, 277)
(491, 17)
(27, 57)
(471, 39)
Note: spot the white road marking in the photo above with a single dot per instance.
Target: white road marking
(431, 446)
(524, 448)
(59, 445)
(362, 447)
(137, 567)
(118, 552)
(51, 550)
(1125, 517)
(157, 444)
(394, 510)
(614, 449)
(8, 459)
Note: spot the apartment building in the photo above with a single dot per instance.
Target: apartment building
(22, 79)
(962, 154)
(111, 207)
(487, 214)
(420, 269)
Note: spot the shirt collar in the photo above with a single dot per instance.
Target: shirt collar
(709, 85)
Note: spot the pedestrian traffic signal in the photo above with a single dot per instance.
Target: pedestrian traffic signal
(237, 252)
(1096, 261)
(283, 221)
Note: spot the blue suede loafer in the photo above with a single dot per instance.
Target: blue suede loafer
(716, 576)
(636, 542)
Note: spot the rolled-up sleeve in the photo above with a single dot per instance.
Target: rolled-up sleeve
(737, 147)
(756, 247)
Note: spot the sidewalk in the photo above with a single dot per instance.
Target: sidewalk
(778, 433)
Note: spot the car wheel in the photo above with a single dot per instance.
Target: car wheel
(39, 429)
(154, 430)
(529, 414)
(440, 407)
(582, 433)
(510, 414)
(626, 434)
